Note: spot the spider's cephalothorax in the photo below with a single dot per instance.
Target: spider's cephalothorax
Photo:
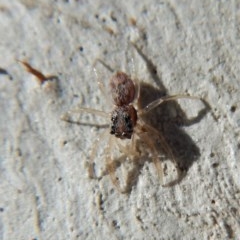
(123, 121)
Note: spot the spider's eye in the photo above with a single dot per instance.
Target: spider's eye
(113, 129)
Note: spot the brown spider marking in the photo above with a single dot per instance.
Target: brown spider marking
(127, 124)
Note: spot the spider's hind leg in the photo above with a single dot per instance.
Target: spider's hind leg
(155, 155)
(159, 147)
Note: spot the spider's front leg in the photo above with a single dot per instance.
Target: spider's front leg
(112, 166)
(93, 154)
(125, 180)
(161, 100)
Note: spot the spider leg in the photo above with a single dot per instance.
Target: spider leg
(149, 139)
(161, 100)
(132, 68)
(128, 149)
(112, 167)
(99, 80)
(150, 143)
(91, 171)
(86, 110)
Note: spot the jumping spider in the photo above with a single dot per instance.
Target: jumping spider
(127, 124)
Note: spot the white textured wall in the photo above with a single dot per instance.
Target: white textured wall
(44, 185)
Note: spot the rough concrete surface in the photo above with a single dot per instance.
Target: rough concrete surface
(184, 47)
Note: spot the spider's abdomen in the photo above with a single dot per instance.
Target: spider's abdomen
(123, 121)
(122, 89)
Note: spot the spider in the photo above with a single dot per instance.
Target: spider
(127, 125)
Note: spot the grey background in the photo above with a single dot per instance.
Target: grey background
(44, 184)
